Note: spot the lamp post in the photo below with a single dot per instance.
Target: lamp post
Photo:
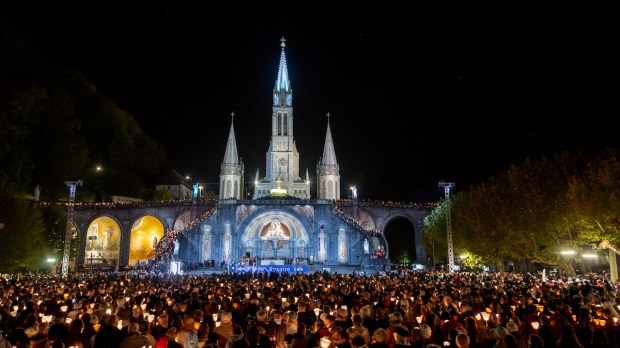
(92, 240)
(200, 193)
(447, 186)
(65, 257)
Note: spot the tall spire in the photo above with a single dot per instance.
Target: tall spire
(329, 171)
(329, 153)
(232, 169)
(283, 83)
(230, 156)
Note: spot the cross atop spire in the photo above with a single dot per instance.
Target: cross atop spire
(232, 115)
(282, 82)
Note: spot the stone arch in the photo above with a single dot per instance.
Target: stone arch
(365, 220)
(399, 232)
(103, 240)
(182, 220)
(256, 229)
(145, 232)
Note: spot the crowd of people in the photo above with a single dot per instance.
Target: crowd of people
(393, 309)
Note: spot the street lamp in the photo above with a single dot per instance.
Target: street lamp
(92, 240)
(69, 226)
(200, 194)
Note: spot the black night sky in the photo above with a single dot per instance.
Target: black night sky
(417, 95)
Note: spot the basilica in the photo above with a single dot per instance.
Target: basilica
(282, 220)
(280, 225)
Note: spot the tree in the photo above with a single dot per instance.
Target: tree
(163, 195)
(23, 232)
(595, 198)
(55, 220)
(524, 213)
(55, 126)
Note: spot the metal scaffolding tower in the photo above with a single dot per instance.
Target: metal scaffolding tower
(65, 257)
(447, 186)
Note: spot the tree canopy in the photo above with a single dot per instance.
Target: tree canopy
(55, 126)
(535, 210)
(22, 231)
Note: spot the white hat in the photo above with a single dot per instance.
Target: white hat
(501, 332)
(512, 327)
(226, 317)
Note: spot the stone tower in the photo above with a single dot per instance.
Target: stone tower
(231, 173)
(282, 160)
(328, 169)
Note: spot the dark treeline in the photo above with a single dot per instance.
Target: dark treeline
(55, 126)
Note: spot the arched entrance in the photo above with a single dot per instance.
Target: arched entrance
(182, 221)
(400, 235)
(275, 237)
(103, 242)
(145, 234)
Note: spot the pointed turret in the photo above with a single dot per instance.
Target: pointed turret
(329, 171)
(329, 154)
(282, 93)
(231, 155)
(232, 169)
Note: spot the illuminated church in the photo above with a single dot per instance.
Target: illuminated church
(281, 224)
(282, 177)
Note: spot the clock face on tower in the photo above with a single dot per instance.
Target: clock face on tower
(282, 161)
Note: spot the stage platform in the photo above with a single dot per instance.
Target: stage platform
(310, 269)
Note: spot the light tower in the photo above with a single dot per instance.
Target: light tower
(65, 257)
(447, 186)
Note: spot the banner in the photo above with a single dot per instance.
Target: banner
(268, 269)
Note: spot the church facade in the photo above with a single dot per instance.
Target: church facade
(289, 224)
(280, 223)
